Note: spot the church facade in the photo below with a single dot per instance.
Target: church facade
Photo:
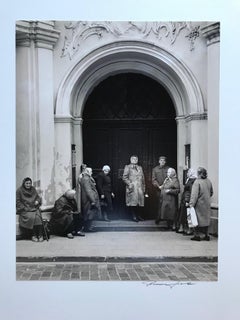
(98, 92)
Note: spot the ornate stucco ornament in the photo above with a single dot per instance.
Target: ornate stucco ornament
(79, 31)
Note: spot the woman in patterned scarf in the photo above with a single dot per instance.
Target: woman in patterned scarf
(27, 203)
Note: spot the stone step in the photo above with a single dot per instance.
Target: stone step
(129, 225)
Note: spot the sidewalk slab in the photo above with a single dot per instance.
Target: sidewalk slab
(119, 246)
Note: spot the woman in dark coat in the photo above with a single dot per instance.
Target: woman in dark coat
(104, 187)
(89, 199)
(27, 203)
(65, 220)
(202, 191)
(182, 224)
(170, 190)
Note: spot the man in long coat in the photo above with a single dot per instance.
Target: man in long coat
(89, 200)
(134, 179)
(159, 174)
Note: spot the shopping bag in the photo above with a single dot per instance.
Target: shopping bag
(192, 217)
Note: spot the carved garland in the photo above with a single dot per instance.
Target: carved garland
(81, 30)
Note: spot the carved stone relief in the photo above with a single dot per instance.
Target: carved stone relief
(77, 32)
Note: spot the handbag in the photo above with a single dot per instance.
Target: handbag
(192, 217)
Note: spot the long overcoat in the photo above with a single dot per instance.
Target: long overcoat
(26, 208)
(169, 199)
(159, 174)
(89, 195)
(104, 187)
(62, 217)
(182, 218)
(134, 179)
(202, 191)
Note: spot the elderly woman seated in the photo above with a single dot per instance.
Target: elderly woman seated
(65, 220)
(27, 204)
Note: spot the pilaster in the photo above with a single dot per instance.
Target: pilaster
(212, 35)
(34, 106)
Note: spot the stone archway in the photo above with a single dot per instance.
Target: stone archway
(121, 57)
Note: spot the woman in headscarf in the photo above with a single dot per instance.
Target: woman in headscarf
(182, 224)
(170, 190)
(27, 203)
(89, 199)
(200, 199)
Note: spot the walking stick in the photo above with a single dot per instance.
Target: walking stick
(44, 228)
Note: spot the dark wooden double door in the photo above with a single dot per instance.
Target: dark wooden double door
(112, 142)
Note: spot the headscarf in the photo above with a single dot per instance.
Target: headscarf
(88, 171)
(172, 175)
(202, 173)
(27, 197)
(28, 193)
(191, 174)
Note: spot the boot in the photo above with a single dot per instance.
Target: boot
(105, 217)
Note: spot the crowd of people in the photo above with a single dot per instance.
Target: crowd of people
(97, 201)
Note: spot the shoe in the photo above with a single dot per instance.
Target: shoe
(140, 218)
(180, 230)
(80, 234)
(196, 238)
(106, 219)
(91, 229)
(34, 239)
(70, 236)
(135, 219)
(206, 238)
(40, 239)
(187, 233)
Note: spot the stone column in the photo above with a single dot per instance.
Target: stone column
(78, 141)
(198, 132)
(34, 104)
(212, 34)
(63, 154)
(181, 141)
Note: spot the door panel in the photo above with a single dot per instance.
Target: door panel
(116, 142)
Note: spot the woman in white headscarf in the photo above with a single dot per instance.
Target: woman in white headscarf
(182, 224)
(170, 190)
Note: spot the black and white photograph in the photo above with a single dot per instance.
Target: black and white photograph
(121, 191)
(116, 149)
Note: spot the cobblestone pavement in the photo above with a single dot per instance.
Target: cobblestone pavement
(117, 271)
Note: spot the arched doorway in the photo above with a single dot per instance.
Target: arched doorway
(129, 113)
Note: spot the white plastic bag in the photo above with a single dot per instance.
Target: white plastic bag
(192, 217)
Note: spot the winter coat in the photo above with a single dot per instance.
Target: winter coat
(182, 219)
(159, 174)
(202, 191)
(104, 187)
(26, 208)
(134, 179)
(169, 200)
(62, 217)
(89, 198)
